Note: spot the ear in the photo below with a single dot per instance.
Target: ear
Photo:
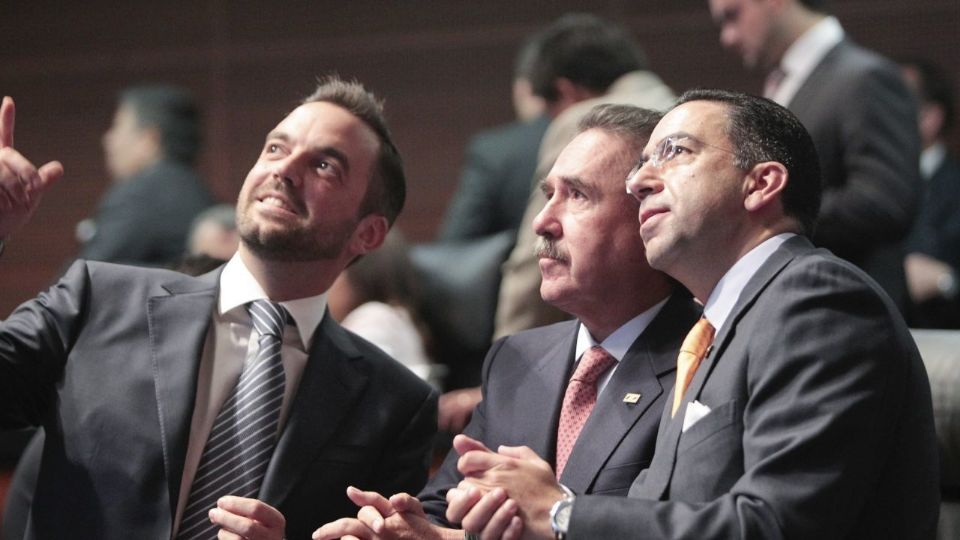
(763, 185)
(151, 143)
(569, 92)
(369, 234)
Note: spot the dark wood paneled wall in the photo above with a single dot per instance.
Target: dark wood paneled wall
(443, 67)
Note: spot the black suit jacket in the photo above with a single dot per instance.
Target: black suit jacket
(106, 361)
(820, 422)
(863, 121)
(524, 379)
(495, 181)
(145, 219)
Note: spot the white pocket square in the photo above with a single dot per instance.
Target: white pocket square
(695, 411)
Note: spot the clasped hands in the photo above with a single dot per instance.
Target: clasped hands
(505, 494)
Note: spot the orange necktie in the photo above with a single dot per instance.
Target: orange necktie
(692, 351)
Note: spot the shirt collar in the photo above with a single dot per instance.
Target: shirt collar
(238, 287)
(618, 343)
(931, 158)
(725, 295)
(805, 54)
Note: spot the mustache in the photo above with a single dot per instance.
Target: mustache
(291, 196)
(550, 249)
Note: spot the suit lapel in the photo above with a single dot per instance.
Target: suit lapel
(550, 373)
(176, 345)
(809, 93)
(652, 356)
(330, 385)
(661, 470)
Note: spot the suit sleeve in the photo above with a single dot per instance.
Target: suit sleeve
(872, 188)
(434, 495)
(827, 377)
(34, 342)
(474, 203)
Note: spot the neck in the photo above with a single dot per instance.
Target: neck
(610, 316)
(795, 22)
(289, 280)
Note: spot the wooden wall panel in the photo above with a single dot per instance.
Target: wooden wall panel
(443, 67)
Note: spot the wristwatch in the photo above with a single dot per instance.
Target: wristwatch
(560, 514)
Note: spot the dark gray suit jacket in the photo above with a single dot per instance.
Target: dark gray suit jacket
(106, 361)
(495, 181)
(863, 121)
(524, 379)
(820, 426)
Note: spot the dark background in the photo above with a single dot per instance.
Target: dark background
(444, 68)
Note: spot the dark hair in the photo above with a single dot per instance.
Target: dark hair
(585, 49)
(173, 112)
(632, 123)
(815, 5)
(934, 85)
(388, 188)
(760, 130)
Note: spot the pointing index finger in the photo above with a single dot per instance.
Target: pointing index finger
(7, 120)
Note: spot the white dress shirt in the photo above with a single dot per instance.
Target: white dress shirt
(232, 342)
(618, 343)
(725, 295)
(804, 55)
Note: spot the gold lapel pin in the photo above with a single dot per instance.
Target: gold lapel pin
(632, 398)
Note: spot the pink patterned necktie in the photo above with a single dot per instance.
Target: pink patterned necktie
(579, 400)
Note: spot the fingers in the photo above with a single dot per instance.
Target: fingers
(514, 530)
(343, 528)
(463, 444)
(370, 498)
(248, 518)
(7, 119)
(460, 500)
(477, 462)
(49, 173)
(406, 503)
(490, 515)
(519, 452)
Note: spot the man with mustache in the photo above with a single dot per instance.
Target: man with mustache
(621, 349)
(802, 408)
(231, 404)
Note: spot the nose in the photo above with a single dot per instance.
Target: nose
(286, 170)
(546, 223)
(644, 182)
(728, 37)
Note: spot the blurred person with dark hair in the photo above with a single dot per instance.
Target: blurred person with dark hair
(583, 61)
(212, 240)
(495, 179)
(377, 298)
(229, 404)
(860, 114)
(150, 153)
(933, 248)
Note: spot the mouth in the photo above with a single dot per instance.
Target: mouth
(650, 213)
(278, 201)
(549, 251)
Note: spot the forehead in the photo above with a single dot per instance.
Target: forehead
(323, 125)
(596, 156)
(705, 120)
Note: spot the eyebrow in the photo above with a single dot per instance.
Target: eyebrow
(331, 151)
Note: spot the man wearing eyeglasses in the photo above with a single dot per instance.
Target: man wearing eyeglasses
(804, 413)
(860, 114)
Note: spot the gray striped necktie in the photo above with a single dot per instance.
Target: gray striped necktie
(241, 442)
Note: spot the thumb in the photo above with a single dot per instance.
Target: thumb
(519, 452)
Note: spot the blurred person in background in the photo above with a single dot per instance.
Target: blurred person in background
(150, 152)
(933, 248)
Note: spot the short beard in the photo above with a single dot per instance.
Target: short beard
(298, 245)
(548, 248)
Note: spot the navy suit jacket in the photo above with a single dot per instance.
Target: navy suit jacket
(107, 360)
(524, 380)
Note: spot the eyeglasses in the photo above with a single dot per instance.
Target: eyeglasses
(670, 148)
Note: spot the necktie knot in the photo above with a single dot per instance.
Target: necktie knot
(268, 318)
(592, 365)
(699, 339)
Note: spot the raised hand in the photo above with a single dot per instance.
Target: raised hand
(21, 183)
(240, 518)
